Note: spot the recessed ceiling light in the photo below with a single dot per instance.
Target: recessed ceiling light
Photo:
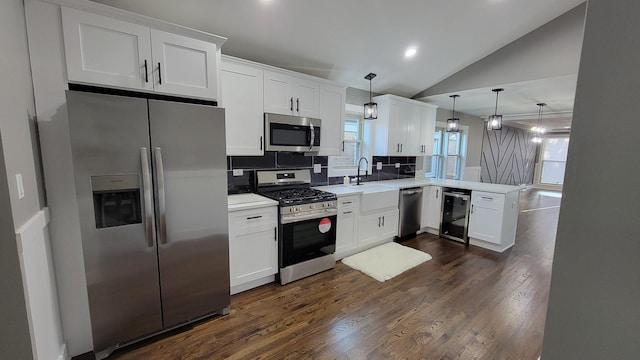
(410, 52)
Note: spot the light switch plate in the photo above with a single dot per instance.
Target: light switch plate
(20, 186)
(379, 165)
(317, 168)
(397, 165)
(237, 172)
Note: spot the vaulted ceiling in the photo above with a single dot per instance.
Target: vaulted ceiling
(343, 40)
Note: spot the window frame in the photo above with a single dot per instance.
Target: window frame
(541, 161)
(440, 171)
(345, 170)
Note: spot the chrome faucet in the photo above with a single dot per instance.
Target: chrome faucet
(366, 171)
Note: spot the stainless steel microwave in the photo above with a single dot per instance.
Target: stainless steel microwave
(291, 133)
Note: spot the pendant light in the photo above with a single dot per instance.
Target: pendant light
(539, 131)
(370, 108)
(453, 124)
(495, 121)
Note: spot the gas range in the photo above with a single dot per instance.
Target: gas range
(307, 222)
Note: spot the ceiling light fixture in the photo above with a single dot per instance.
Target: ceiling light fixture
(453, 123)
(370, 108)
(410, 52)
(494, 122)
(539, 131)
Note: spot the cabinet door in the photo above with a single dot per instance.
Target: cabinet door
(306, 97)
(485, 218)
(332, 99)
(242, 98)
(184, 66)
(435, 207)
(253, 245)
(427, 130)
(346, 239)
(390, 220)
(413, 123)
(278, 93)
(377, 226)
(396, 130)
(101, 50)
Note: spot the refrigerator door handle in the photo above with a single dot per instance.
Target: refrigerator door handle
(148, 202)
(162, 209)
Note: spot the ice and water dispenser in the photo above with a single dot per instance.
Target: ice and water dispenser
(116, 200)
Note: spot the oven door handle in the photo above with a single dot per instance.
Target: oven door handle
(285, 219)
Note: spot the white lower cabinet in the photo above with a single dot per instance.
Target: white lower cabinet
(377, 226)
(431, 208)
(492, 219)
(253, 247)
(347, 231)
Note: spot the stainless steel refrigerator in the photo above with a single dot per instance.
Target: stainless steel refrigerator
(151, 188)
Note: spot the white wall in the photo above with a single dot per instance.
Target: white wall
(524, 59)
(595, 285)
(29, 243)
(49, 82)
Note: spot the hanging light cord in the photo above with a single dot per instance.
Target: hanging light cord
(453, 115)
(540, 115)
(495, 112)
(369, 90)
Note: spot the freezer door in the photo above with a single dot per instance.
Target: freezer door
(190, 173)
(107, 134)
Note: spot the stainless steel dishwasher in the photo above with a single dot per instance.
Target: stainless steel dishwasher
(410, 211)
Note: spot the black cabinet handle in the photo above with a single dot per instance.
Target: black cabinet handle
(347, 212)
(159, 74)
(342, 145)
(275, 234)
(254, 217)
(379, 218)
(437, 190)
(400, 147)
(298, 105)
(472, 208)
(260, 142)
(291, 104)
(146, 72)
(383, 221)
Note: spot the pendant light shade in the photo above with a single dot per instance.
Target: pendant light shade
(538, 131)
(494, 122)
(453, 123)
(370, 108)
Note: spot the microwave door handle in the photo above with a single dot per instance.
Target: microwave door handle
(313, 137)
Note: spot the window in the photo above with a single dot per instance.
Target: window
(447, 160)
(347, 162)
(554, 159)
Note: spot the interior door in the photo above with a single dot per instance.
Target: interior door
(190, 174)
(107, 134)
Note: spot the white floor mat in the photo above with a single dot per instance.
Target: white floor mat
(386, 261)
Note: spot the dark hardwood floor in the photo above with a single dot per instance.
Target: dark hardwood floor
(463, 304)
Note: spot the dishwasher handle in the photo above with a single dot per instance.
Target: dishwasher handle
(411, 191)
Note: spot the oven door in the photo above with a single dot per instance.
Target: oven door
(307, 239)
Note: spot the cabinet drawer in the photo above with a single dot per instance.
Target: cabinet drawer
(247, 220)
(347, 203)
(487, 200)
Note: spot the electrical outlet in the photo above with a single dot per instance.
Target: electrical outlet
(379, 165)
(317, 168)
(397, 165)
(238, 172)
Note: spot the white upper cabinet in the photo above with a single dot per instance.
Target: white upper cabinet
(290, 95)
(183, 65)
(242, 98)
(110, 52)
(332, 102)
(101, 50)
(404, 127)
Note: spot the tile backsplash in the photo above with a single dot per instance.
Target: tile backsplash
(393, 167)
(271, 161)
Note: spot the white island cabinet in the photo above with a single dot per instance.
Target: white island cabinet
(431, 209)
(253, 241)
(492, 219)
(104, 51)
